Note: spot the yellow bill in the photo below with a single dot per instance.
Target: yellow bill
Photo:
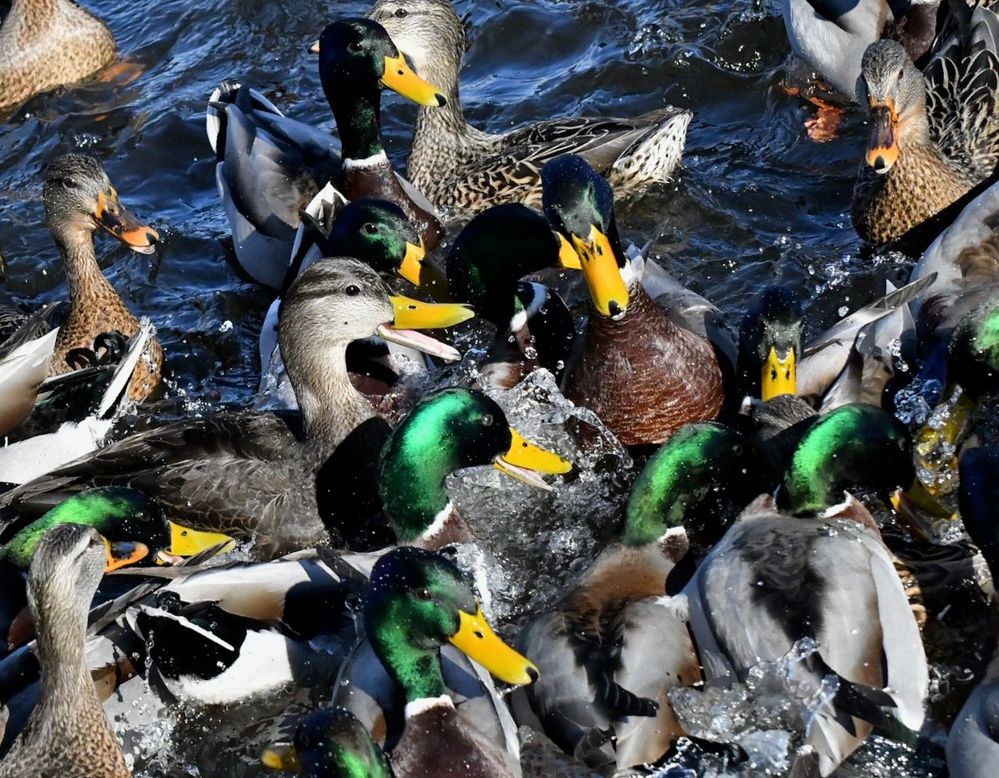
(608, 291)
(122, 554)
(476, 639)
(936, 447)
(413, 314)
(780, 375)
(412, 263)
(111, 216)
(185, 541)
(882, 145)
(281, 756)
(524, 461)
(567, 256)
(400, 78)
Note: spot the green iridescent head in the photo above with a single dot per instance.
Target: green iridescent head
(376, 232)
(770, 344)
(330, 742)
(120, 515)
(417, 602)
(699, 467)
(974, 351)
(855, 446)
(494, 251)
(448, 431)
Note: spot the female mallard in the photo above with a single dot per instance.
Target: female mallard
(458, 166)
(418, 603)
(533, 325)
(641, 371)
(49, 43)
(599, 697)
(79, 199)
(934, 135)
(249, 474)
(816, 569)
(270, 167)
(68, 733)
(330, 743)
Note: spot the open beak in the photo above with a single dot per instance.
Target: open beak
(413, 315)
(567, 256)
(476, 639)
(186, 542)
(603, 276)
(281, 756)
(918, 508)
(882, 147)
(122, 554)
(780, 374)
(111, 216)
(400, 78)
(525, 461)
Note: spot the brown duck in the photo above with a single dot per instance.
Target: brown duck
(68, 734)
(933, 135)
(641, 371)
(49, 43)
(79, 199)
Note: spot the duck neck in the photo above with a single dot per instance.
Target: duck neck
(416, 670)
(414, 492)
(83, 274)
(331, 407)
(358, 121)
(61, 635)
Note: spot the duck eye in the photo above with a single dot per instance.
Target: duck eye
(401, 13)
(353, 47)
(901, 73)
(370, 228)
(487, 420)
(70, 183)
(423, 594)
(353, 290)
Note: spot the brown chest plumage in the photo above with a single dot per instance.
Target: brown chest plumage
(645, 376)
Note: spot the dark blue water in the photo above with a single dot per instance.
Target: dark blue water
(756, 201)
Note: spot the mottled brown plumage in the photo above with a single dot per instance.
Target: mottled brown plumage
(68, 734)
(79, 199)
(644, 375)
(49, 43)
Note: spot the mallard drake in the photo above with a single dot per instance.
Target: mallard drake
(534, 328)
(68, 733)
(973, 743)
(833, 36)
(440, 712)
(599, 697)
(934, 134)
(269, 472)
(816, 569)
(459, 166)
(79, 200)
(330, 743)
(641, 371)
(270, 167)
(45, 44)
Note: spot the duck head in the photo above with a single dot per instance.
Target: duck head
(895, 94)
(133, 526)
(418, 601)
(79, 199)
(495, 250)
(770, 344)
(330, 741)
(429, 33)
(683, 486)
(449, 431)
(579, 204)
(856, 446)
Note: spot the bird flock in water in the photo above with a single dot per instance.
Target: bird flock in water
(783, 524)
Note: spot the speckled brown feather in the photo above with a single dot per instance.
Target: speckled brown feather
(49, 43)
(644, 375)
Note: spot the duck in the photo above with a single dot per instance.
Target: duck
(643, 372)
(974, 739)
(45, 44)
(269, 468)
(68, 732)
(933, 134)
(270, 167)
(377, 233)
(801, 567)
(598, 697)
(462, 168)
(448, 717)
(485, 265)
(79, 200)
